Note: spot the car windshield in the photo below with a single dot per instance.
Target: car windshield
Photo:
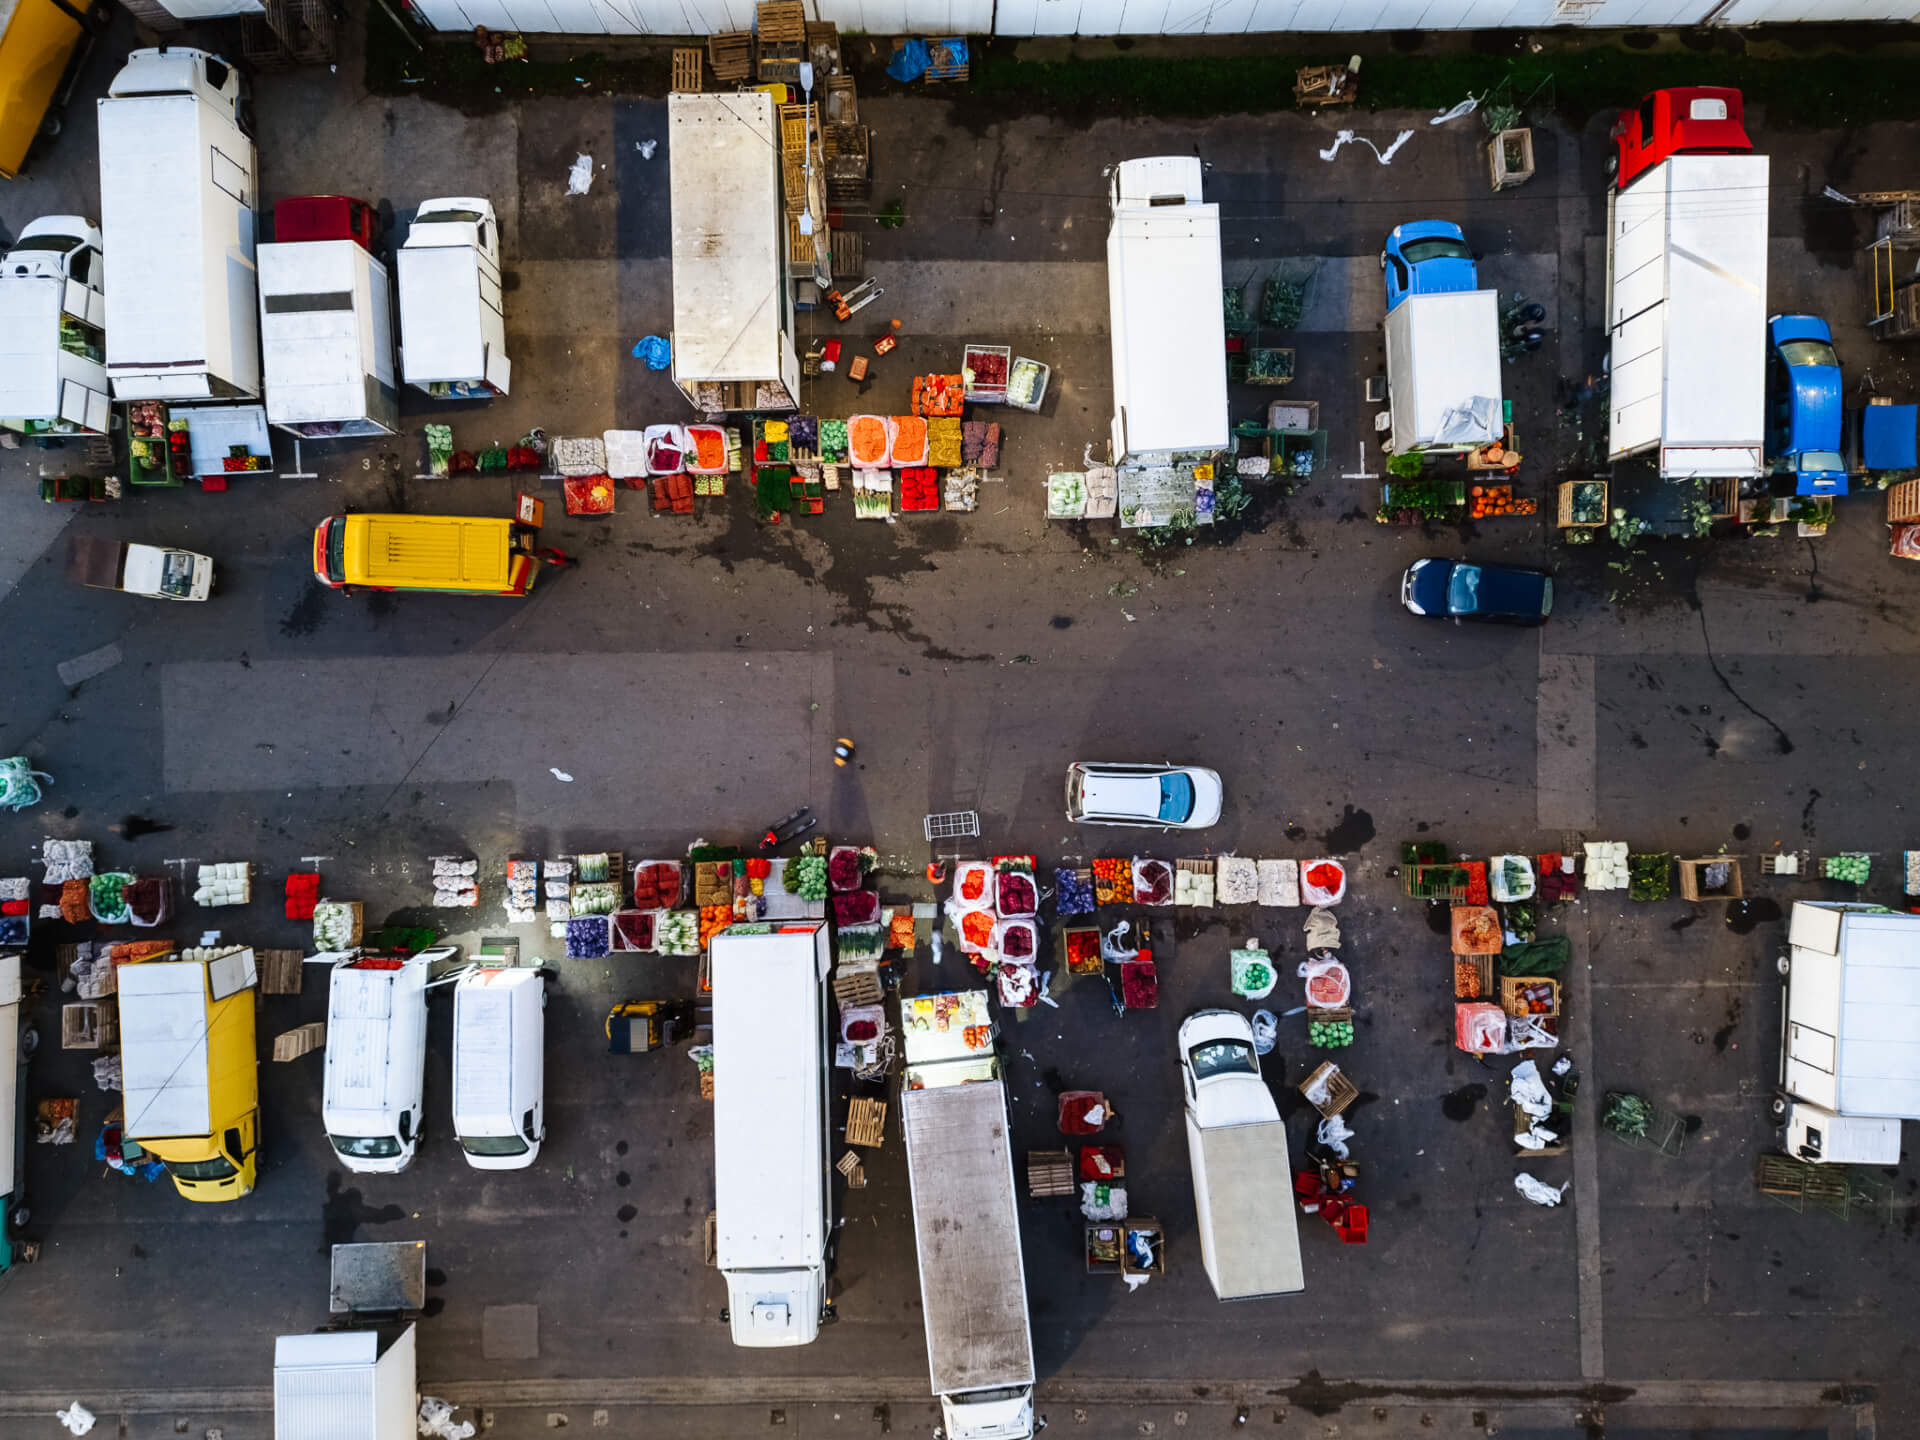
(1176, 797)
(434, 217)
(366, 1147)
(176, 575)
(1808, 352)
(1223, 1057)
(218, 1168)
(1463, 590)
(59, 243)
(337, 552)
(493, 1144)
(1435, 247)
(1821, 460)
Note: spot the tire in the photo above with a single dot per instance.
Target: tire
(1777, 1109)
(1783, 963)
(1612, 167)
(51, 124)
(29, 1040)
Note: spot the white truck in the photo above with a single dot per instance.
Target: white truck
(453, 328)
(1169, 329)
(326, 329)
(17, 1043)
(372, 1095)
(178, 180)
(1443, 371)
(1687, 316)
(1850, 1033)
(772, 1201)
(346, 1385)
(53, 315)
(1242, 1182)
(156, 571)
(966, 1222)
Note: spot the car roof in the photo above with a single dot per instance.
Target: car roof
(1505, 590)
(1799, 327)
(1105, 793)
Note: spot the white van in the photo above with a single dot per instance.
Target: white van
(499, 1067)
(372, 1101)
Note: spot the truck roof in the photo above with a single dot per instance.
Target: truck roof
(966, 1224)
(1443, 352)
(369, 1056)
(1876, 1030)
(768, 1145)
(440, 332)
(165, 1017)
(325, 330)
(1169, 331)
(483, 1005)
(30, 308)
(1249, 1243)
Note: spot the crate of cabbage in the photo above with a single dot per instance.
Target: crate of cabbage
(1330, 1029)
(1583, 504)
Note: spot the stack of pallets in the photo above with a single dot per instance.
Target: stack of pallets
(780, 26)
(731, 56)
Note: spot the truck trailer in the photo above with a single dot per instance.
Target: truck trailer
(53, 315)
(178, 181)
(326, 328)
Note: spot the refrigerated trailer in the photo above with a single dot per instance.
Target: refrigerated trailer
(1687, 316)
(453, 329)
(326, 326)
(178, 180)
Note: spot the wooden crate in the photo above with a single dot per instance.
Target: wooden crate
(280, 971)
(688, 72)
(866, 1122)
(1158, 1241)
(1341, 1092)
(856, 1175)
(1565, 520)
(841, 102)
(801, 248)
(1105, 1247)
(731, 56)
(89, 1025)
(944, 69)
(1049, 1173)
(1507, 173)
(300, 1040)
(1903, 502)
(1693, 872)
(1511, 1002)
(857, 984)
(781, 22)
(1522, 1123)
(1319, 86)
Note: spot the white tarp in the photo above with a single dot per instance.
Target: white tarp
(163, 1048)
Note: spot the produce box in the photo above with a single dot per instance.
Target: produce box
(1027, 383)
(919, 489)
(710, 887)
(1519, 995)
(631, 930)
(943, 442)
(939, 395)
(338, 924)
(1339, 1091)
(986, 368)
(1066, 495)
(1082, 948)
(909, 441)
(1693, 879)
(1476, 930)
(1473, 977)
(1330, 1029)
(1583, 504)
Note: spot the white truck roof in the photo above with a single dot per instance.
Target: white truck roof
(9, 1067)
(1443, 355)
(768, 1145)
(440, 332)
(172, 176)
(163, 1048)
(370, 1056)
(1853, 1014)
(339, 1386)
(30, 308)
(1687, 314)
(1169, 330)
(1243, 1196)
(483, 1005)
(966, 1223)
(729, 249)
(326, 329)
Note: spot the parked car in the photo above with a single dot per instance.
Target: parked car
(1167, 797)
(1502, 594)
(1803, 393)
(1687, 120)
(1427, 257)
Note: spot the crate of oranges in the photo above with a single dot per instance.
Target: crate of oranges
(1488, 500)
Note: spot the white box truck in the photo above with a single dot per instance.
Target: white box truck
(53, 316)
(18, 1041)
(770, 1135)
(326, 330)
(1242, 1181)
(499, 1066)
(371, 1099)
(1169, 327)
(345, 1385)
(178, 180)
(1687, 316)
(1443, 371)
(973, 1286)
(453, 328)
(1850, 1033)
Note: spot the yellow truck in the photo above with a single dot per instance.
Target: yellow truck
(42, 45)
(190, 1070)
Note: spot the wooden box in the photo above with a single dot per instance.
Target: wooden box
(88, 1025)
(1049, 1173)
(280, 971)
(731, 55)
(1903, 502)
(1510, 158)
(866, 1122)
(1157, 1238)
(1565, 520)
(1510, 1001)
(299, 1041)
(1341, 1092)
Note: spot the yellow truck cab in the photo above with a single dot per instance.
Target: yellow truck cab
(42, 43)
(190, 1070)
(459, 554)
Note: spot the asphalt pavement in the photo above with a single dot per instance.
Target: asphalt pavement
(691, 674)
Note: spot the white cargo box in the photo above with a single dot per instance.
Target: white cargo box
(326, 321)
(1443, 370)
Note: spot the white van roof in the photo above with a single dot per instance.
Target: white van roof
(368, 1054)
(483, 1006)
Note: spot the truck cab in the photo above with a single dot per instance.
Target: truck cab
(1803, 404)
(1687, 120)
(325, 217)
(179, 70)
(58, 247)
(1427, 257)
(53, 315)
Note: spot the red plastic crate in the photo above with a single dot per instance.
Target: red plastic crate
(1353, 1225)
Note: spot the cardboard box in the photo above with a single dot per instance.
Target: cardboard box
(1693, 879)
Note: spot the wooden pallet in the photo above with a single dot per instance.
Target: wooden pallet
(280, 971)
(688, 72)
(294, 1043)
(857, 985)
(780, 27)
(1323, 85)
(849, 260)
(943, 70)
(731, 56)
(849, 1165)
(1049, 1173)
(866, 1122)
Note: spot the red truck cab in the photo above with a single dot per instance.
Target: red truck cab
(1689, 120)
(325, 217)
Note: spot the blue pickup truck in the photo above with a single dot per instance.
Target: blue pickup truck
(1427, 257)
(1803, 404)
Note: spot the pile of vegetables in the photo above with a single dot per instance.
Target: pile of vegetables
(1466, 979)
(843, 868)
(1486, 500)
(1015, 894)
(333, 925)
(1329, 1034)
(632, 929)
(1139, 985)
(970, 885)
(108, 897)
(976, 929)
(806, 876)
(677, 932)
(1113, 882)
(1018, 940)
(1588, 503)
(859, 942)
(593, 869)
(656, 885)
(1072, 892)
(867, 440)
(1236, 880)
(1066, 495)
(1650, 877)
(712, 920)
(833, 441)
(1557, 880)
(1083, 952)
(855, 907)
(595, 897)
(1626, 1115)
(588, 937)
(1851, 868)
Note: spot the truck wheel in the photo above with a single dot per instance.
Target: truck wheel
(1777, 1109)
(1783, 963)
(29, 1039)
(1612, 167)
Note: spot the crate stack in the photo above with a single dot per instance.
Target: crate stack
(780, 30)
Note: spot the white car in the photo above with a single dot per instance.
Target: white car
(1167, 797)
(1221, 1071)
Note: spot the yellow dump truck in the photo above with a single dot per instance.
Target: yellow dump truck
(42, 45)
(190, 1070)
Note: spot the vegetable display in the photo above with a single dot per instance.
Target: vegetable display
(1650, 877)
(656, 885)
(588, 937)
(1626, 1115)
(107, 896)
(1152, 882)
(1139, 985)
(1851, 868)
(855, 907)
(809, 874)
(1072, 894)
(976, 928)
(1083, 952)
(867, 440)
(1329, 1034)
(1113, 882)
(677, 932)
(1015, 894)
(1466, 980)
(843, 868)
(909, 440)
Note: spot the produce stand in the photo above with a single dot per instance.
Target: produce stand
(1415, 502)
(951, 1033)
(158, 446)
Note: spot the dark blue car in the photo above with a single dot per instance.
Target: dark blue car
(1803, 381)
(1427, 257)
(1500, 594)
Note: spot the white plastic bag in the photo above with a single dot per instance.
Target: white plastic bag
(1334, 1132)
(1115, 1206)
(436, 1420)
(1531, 1032)
(1538, 1193)
(1266, 1030)
(1328, 984)
(77, 1418)
(1313, 894)
(1113, 944)
(1528, 1091)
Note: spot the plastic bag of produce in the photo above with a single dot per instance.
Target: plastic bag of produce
(1328, 984)
(666, 449)
(1479, 1028)
(1251, 972)
(1017, 941)
(1510, 878)
(1019, 986)
(869, 442)
(1323, 882)
(976, 930)
(1152, 882)
(973, 885)
(1066, 495)
(1015, 894)
(1279, 883)
(1236, 880)
(706, 450)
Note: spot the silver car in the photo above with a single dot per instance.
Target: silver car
(1163, 797)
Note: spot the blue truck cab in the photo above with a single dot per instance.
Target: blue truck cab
(1803, 384)
(1427, 257)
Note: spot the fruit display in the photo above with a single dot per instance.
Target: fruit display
(1489, 500)
(1329, 1034)
(1072, 892)
(1850, 868)
(1113, 882)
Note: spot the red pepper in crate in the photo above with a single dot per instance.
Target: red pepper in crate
(1476, 881)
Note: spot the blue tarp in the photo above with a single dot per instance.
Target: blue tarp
(1887, 436)
(656, 351)
(913, 59)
